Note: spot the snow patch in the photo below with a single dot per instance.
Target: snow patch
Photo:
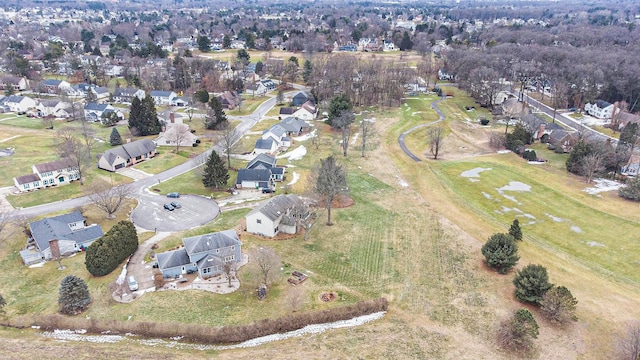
(355, 138)
(474, 173)
(515, 186)
(555, 218)
(595, 244)
(576, 229)
(486, 195)
(78, 335)
(122, 276)
(603, 185)
(402, 183)
(296, 154)
(295, 179)
(306, 136)
(503, 151)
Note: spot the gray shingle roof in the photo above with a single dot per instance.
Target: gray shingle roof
(209, 261)
(262, 159)
(55, 165)
(156, 93)
(277, 130)
(265, 144)
(130, 150)
(293, 124)
(212, 241)
(27, 179)
(276, 206)
(95, 107)
(602, 104)
(171, 259)
(260, 175)
(287, 111)
(57, 227)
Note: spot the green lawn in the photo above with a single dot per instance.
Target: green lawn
(549, 217)
(248, 106)
(24, 122)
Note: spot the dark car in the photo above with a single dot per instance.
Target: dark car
(176, 204)
(169, 207)
(173, 195)
(267, 190)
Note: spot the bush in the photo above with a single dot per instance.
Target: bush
(530, 155)
(518, 331)
(559, 305)
(105, 254)
(515, 230)
(501, 252)
(484, 122)
(496, 140)
(632, 189)
(158, 280)
(74, 295)
(531, 284)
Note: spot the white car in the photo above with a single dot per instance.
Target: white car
(133, 284)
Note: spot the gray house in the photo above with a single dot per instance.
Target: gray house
(260, 173)
(127, 155)
(300, 98)
(205, 254)
(70, 230)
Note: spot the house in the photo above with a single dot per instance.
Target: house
(300, 98)
(19, 104)
(260, 173)
(277, 134)
(294, 126)
(308, 111)
(102, 93)
(545, 129)
(287, 111)
(69, 233)
(563, 139)
(18, 83)
(56, 86)
(126, 95)
(348, 48)
(274, 216)
(444, 75)
(163, 97)
(265, 146)
(269, 84)
(176, 131)
(56, 108)
(94, 111)
(127, 155)
(600, 109)
(632, 168)
(388, 46)
(59, 172)
(255, 88)
(417, 84)
(205, 254)
(230, 99)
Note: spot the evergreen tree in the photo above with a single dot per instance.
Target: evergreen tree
(105, 254)
(515, 230)
(243, 56)
(501, 252)
(580, 150)
(143, 119)
(203, 43)
(201, 96)
(518, 331)
(259, 67)
(406, 43)
(219, 119)
(531, 284)
(338, 104)
(216, 173)
(135, 116)
(631, 190)
(307, 71)
(226, 41)
(74, 295)
(115, 138)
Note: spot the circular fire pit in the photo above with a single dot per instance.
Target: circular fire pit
(328, 296)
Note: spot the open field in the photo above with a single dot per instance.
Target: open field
(413, 236)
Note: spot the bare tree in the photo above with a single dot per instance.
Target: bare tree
(305, 217)
(177, 133)
(628, 346)
(88, 135)
(435, 138)
(228, 139)
(70, 147)
(343, 123)
(329, 180)
(592, 164)
(366, 130)
(108, 198)
(296, 298)
(267, 263)
(229, 270)
(6, 223)
(190, 112)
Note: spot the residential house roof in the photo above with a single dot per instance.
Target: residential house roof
(276, 206)
(57, 227)
(287, 111)
(129, 151)
(603, 104)
(293, 124)
(52, 82)
(212, 241)
(125, 91)
(557, 135)
(209, 261)
(158, 93)
(258, 175)
(92, 106)
(276, 130)
(264, 144)
(263, 161)
(27, 179)
(170, 259)
(14, 99)
(55, 165)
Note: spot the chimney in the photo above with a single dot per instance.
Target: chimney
(172, 117)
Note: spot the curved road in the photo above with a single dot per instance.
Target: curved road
(434, 106)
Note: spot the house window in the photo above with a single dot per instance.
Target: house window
(37, 183)
(229, 258)
(259, 221)
(217, 251)
(275, 230)
(233, 248)
(26, 186)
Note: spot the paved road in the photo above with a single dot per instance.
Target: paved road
(195, 211)
(434, 105)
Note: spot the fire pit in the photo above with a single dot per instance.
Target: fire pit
(328, 296)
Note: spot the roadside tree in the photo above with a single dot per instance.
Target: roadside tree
(228, 138)
(215, 173)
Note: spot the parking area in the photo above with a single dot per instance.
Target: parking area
(195, 210)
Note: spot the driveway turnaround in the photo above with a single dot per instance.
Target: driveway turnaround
(195, 211)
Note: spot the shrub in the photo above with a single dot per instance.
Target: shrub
(530, 155)
(74, 295)
(501, 252)
(559, 305)
(105, 254)
(531, 284)
(484, 121)
(515, 230)
(518, 331)
(632, 189)
(158, 280)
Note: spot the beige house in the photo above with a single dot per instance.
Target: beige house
(274, 216)
(127, 155)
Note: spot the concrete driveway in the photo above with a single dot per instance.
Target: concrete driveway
(151, 215)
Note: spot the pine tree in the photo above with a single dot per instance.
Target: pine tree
(216, 174)
(306, 73)
(74, 295)
(219, 118)
(115, 138)
(515, 230)
(501, 252)
(150, 119)
(135, 116)
(531, 283)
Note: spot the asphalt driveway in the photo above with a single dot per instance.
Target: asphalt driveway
(195, 211)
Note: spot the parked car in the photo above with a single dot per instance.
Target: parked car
(133, 284)
(176, 204)
(169, 207)
(173, 195)
(267, 190)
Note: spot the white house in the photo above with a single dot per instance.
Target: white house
(94, 111)
(59, 172)
(600, 109)
(308, 111)
(56, 86)
(57, 108)
(176, 133)
(163, 97)
(274, 216)
(19, 104)
(126, 95)
(18, 83)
